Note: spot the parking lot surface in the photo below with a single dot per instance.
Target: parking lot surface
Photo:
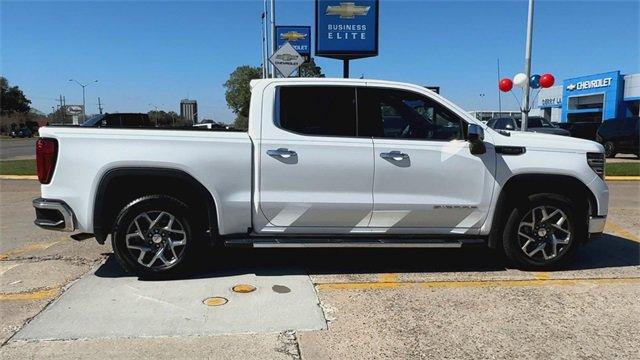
(319, 304)
(17, 149)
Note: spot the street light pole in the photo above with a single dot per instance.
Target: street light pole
(527, 69)
(84, 111)
(273, 35)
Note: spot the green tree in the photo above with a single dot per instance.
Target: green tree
(310, 69)
(238, 92)
(12, 99)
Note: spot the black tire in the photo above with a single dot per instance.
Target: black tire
(154, 205)
(609, 149)
(513, 242)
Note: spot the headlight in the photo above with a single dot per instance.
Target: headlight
(596, 162)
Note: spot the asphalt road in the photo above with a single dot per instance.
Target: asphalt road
(319, 304)
(17, 149)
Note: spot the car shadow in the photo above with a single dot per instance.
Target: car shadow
(609, 251)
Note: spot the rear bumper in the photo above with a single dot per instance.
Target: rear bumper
(596, 225)
(53, 215)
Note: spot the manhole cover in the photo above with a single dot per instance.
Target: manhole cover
(280, 289)
(244, 288)
(215, 301)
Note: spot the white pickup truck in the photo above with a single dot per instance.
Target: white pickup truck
(325, 163)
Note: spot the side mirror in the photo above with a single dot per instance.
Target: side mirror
(509, 127)
(476, 139)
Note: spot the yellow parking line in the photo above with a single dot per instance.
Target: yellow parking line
(18, 177)
(475, 284)
(542, 276)
(32, 295)
(388, 278)
(28, 248)
(622, 178)
(619, 230)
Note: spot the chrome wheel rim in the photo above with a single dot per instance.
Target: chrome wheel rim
(544, 233)
(156, 239)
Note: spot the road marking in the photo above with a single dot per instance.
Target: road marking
(475, 284)
(542, 276)
(28, 248)
(388, 278)
(6, 267)
(32, 295)
(622, 178)
(616, 229)
(18, 177)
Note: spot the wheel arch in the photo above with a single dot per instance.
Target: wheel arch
(529, 184)
(110, 194)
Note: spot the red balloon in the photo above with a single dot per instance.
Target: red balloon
(505, 85)
(547, 80)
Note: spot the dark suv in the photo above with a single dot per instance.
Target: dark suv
(119, 120)
(619, 136)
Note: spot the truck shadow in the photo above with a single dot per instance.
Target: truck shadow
(609, 251)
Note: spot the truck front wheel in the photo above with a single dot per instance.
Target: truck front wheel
(543, 231)
(153, 236)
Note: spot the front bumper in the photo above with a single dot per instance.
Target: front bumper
(53, 215)
(596, 225)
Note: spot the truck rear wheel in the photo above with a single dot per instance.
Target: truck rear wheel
(152, 236)
(543, 231)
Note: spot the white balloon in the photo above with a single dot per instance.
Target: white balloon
(520, 80)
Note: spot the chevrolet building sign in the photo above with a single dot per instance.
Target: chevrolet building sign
(590, 84)
(298, 36)
(286, 60)
(347, 29)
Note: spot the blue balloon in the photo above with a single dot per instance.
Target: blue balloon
(534, 82)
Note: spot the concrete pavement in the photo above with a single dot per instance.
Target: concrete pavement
(386, 303)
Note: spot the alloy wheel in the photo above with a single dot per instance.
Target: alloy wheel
(544, 233)
(157, 239)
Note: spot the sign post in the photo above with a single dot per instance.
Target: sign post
(347, 30)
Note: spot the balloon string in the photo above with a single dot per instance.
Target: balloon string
(515, 97)
(536, 96)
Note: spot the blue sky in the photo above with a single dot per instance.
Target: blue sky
(161, 51)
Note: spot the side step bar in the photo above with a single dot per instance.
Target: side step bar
(353, 243)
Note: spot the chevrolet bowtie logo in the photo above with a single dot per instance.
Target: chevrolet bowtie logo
(571, 87)
(347, 10)
(286, 57)
(293, 36)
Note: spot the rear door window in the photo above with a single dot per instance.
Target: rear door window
(317, 110)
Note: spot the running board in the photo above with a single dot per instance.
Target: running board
(353, 243)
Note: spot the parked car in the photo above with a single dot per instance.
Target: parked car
(619, 136)
(122, 120)
(23, 132)
(324, 163)
(536, 124)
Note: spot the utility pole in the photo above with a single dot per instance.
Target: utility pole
(99, 105)
(62, 109)
(265, 50)
(84, 113)
(527, 69)
(499, 92)
(273, 35)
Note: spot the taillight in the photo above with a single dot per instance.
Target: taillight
(46, 154)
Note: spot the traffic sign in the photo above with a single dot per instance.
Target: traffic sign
(286, 60)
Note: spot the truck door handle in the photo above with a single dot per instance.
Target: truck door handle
(282, 152)
(394, 155)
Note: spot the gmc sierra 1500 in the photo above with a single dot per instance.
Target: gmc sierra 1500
(325, 163)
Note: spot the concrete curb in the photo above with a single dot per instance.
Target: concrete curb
(18, 177)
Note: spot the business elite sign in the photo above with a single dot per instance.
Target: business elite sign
(298, 36)
(347, 29)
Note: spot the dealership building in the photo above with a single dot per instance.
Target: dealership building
(591, 98)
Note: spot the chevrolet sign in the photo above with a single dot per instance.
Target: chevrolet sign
(299, 37)
(590, 84)
(347, 29)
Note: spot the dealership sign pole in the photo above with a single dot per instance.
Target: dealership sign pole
(347, 30)
(527, 70)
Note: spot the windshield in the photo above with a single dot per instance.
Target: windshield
(537, 122)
